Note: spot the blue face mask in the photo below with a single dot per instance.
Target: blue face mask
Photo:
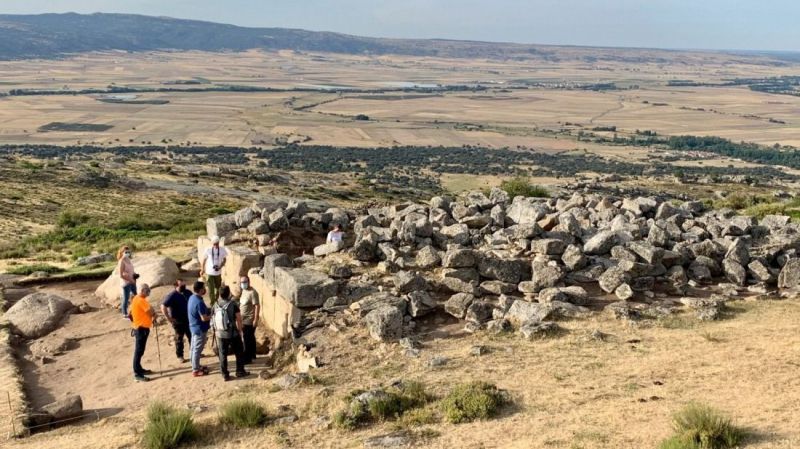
(244, 285)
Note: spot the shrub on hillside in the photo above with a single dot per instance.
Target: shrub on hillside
(473, 401)
(167, 427)
(701, 427)
(243, 413)
(380, 405)
(521, 186)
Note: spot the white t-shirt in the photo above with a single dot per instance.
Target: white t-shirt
(335, 236)
(215, 256)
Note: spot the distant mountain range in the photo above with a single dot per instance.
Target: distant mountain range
(54, 35)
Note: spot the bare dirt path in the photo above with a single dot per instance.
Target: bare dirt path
(619, 107)
(98, 364)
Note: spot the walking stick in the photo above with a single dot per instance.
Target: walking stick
(158, 350)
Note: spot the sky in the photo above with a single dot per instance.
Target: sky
(679, 24)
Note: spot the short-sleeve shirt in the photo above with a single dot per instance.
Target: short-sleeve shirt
(196, 308)
(178, 304)
(232, 309)
(214, 257)
(248, 301)
(140, 313)
(335, 236)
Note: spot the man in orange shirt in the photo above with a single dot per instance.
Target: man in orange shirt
(142, 315)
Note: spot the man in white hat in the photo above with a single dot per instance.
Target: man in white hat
(211, 267)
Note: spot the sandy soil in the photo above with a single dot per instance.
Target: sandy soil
(570, 391)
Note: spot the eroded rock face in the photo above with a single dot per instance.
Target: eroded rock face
(37, 314)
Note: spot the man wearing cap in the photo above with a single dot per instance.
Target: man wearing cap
(211, 267)
(142, 315)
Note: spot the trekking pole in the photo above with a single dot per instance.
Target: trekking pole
(158, 349)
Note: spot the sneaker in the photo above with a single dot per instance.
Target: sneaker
(141, 378)
(204, 369)
(199, 373)
(228, 378)
(147, 371)
(181, 360)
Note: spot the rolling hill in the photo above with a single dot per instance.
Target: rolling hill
(55, 35)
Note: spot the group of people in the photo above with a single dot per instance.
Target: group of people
(232, 320)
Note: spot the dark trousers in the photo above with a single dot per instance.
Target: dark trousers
(181, 331)
(226, 347)
(140, 335)
(249, 337)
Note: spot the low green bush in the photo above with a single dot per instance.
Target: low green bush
(473, 401)
(168, 427)
(243, 413)
(388, 404)
(521, 186)
(701, 427)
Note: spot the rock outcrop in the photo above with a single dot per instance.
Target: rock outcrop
(154, 271)
(37, 314)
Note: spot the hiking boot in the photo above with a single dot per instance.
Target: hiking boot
(140, 378)
(198, 373)
(243, 374)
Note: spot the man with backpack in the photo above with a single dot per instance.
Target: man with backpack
(227, 323)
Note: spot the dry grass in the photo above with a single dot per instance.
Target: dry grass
(569, 392)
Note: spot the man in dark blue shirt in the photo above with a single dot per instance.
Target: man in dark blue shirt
(175, 308)
(199, 317)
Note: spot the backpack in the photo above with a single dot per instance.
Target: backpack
(222, 321)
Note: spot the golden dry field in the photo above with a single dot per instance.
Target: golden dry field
(509, 116)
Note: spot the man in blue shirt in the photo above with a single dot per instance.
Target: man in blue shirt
(199, 317)
(175, 308)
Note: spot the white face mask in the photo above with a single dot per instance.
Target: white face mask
(128, 254)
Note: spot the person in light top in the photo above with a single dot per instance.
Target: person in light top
(127, 278)
(335, 235)
(211, 267)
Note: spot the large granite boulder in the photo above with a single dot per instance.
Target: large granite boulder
(789, 276)
(154, 271)
(37, 314)
(385, 323)
(303, 287)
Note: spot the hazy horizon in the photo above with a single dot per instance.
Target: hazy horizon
(680, 24)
